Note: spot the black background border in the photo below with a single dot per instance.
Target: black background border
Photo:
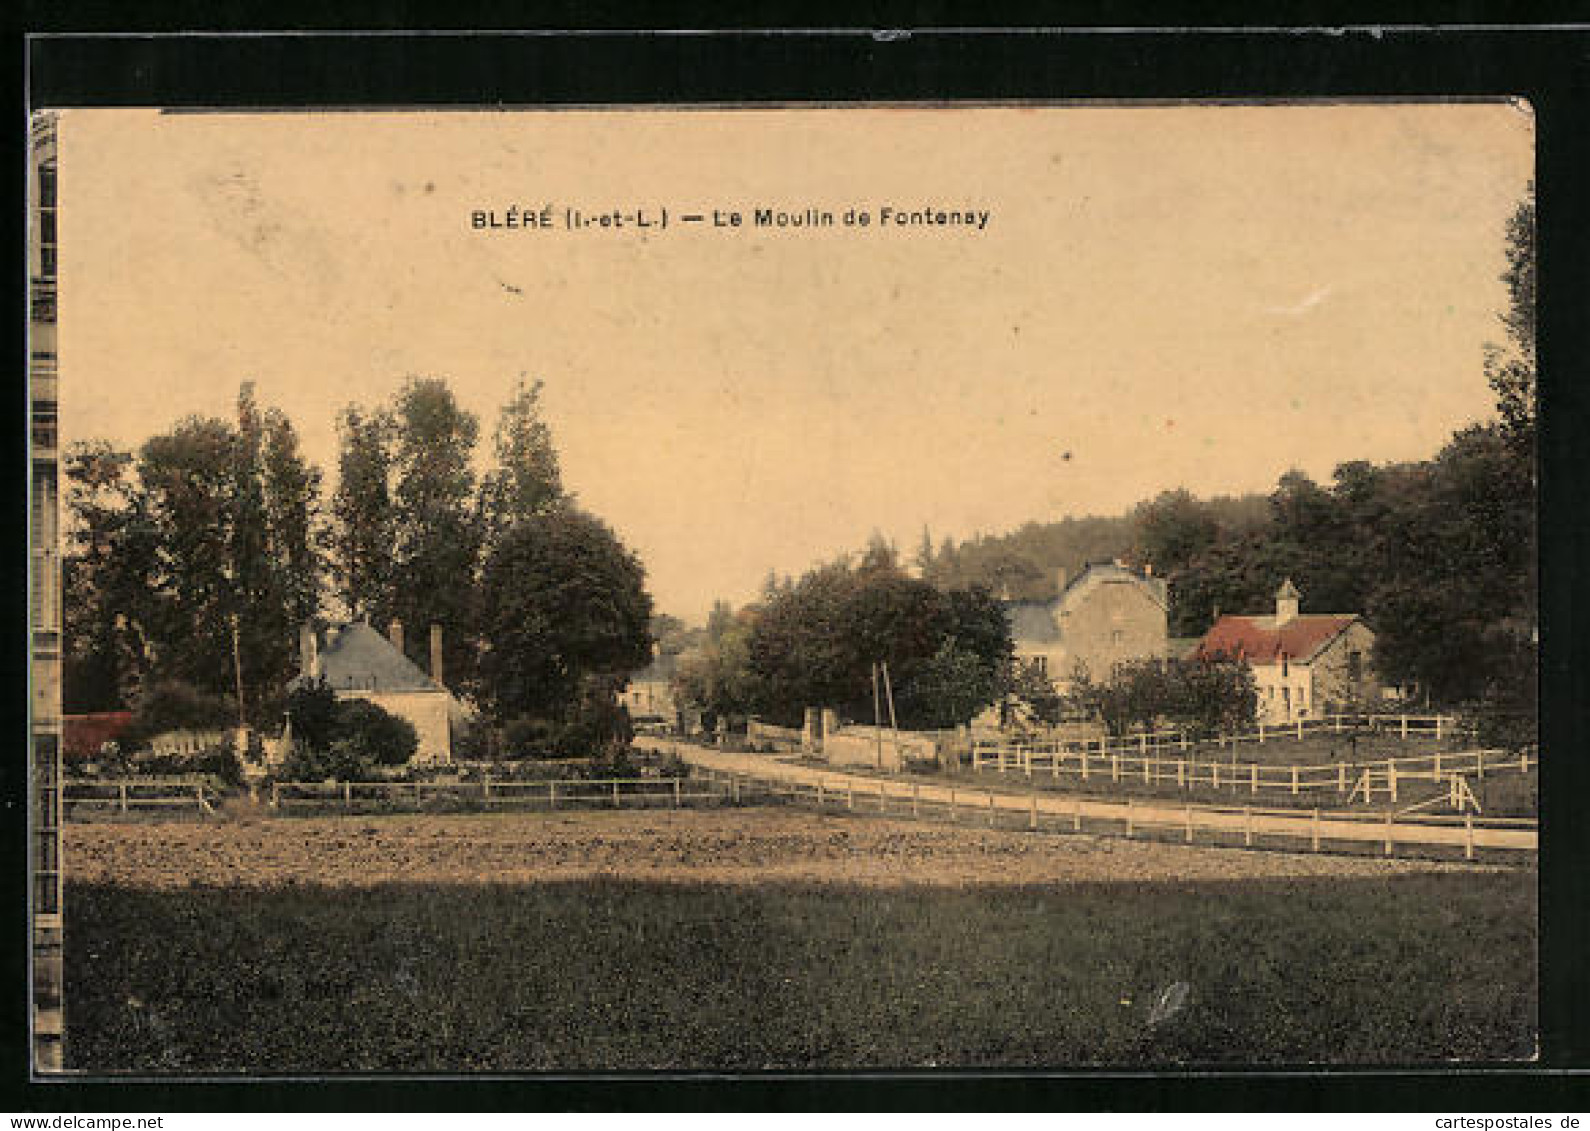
(81, 55)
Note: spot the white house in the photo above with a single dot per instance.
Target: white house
(1304, 664)
(357, 662)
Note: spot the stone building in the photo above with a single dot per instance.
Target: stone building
(1108, 614)
(1304, 664)
(357, 662)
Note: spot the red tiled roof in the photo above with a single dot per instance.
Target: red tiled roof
(83, 735)
(1257, 640)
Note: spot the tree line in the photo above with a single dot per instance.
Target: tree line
(194, 560)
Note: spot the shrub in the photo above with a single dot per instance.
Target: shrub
(175, 705)
(312, 710)
(374, 734)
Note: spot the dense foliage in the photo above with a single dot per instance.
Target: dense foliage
(342, 739)
(1202, 697)
(815, 644)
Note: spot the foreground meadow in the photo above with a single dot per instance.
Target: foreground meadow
(777, 940)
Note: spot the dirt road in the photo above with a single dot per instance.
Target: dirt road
(1305, 827)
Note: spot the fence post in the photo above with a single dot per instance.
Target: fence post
(1468, 836)
(850, 795)
(880, 798)
(1404, 726)
(1142, 743)
(1032, 821)
(1341, 777)
(1294, 781)
(1247, 826)
(990, 809)
(121, 790)
(1184, 740)
(1253, 773)
(1026, 761)
(819, 793)
(1128, 816)
(1215, 773)
(1388, 830)
(734, 788)
(1084, 763)
(1145, 770)
(347, 795)
(1523, 761)
(1181, 773)
(1188, 815)
(1300, 730)
(1261, 734)
(1435, 772)
(1391, 777)
(915, 790)
(676, 793)
(552, 794)
(276, 798)
(1115, 767)
(977, 763)
(485, 789)
(1316, 829)
(1479, 764)
(1439, 719)
(1076, 814)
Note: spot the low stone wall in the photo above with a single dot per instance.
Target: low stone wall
(782, 738)
(878, 747)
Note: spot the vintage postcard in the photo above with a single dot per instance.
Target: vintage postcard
(799, 588)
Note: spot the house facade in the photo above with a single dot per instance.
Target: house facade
(357, 662)
(1304, 665)
(1109, 614)
(649, 696)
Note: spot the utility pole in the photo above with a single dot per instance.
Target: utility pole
(894, 724)
(877, 716)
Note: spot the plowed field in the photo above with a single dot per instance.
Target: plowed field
(721, 846)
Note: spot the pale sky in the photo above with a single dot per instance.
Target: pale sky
(1198, 296)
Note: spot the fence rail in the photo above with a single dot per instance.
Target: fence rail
(1227, 825)
(1404, 726)
(611, 793)
(128, 794)
(1345, 779)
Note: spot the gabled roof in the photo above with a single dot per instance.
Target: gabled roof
(1259, 641)
(1032, 622)
(355, 657)
(1095, 574)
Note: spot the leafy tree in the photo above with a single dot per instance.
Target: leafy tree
(568, 602)
(311, 710)
(1511, 370)
(107, 609)
(815, 645)
(437, 533)
(526, 480)
(716, 675)
(364, 542)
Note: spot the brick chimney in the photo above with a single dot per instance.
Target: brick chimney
(394, 633)
(436, 654)
(308, 659)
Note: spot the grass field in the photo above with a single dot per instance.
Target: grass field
(621, 974)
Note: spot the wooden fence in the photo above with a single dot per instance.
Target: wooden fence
(1158, 742)
(1221, 825)
(572, 793)
(1363, 780)
(128, 794)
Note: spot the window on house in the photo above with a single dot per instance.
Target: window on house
(1355, 666)
(1117, 636)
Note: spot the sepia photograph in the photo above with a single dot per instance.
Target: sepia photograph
(810, 588)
